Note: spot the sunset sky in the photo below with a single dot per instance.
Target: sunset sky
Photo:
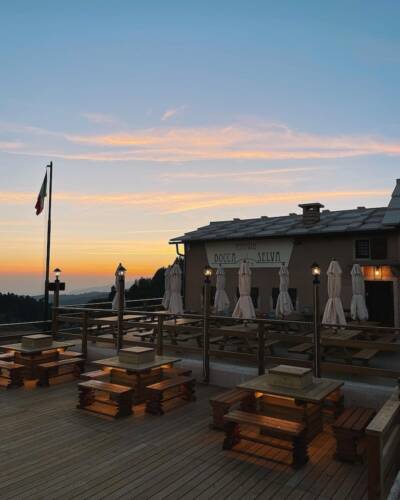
(160, 116)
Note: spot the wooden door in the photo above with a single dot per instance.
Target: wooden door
(379, 300)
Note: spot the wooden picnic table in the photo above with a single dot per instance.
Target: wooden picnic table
(137, 376)
(303, 405)
(176, 326)
(340, 334)
(32, 357)
(114, 318)
(240, 333)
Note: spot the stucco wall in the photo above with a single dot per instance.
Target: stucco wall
(305, 251)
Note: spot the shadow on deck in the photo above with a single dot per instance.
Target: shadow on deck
(51, 450)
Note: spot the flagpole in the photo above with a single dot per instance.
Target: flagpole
(46, 285)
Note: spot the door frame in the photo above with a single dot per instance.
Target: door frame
(396, 298)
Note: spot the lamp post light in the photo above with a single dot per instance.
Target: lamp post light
(120, 273)
(316, 273)
(207, 272)
(56, 286)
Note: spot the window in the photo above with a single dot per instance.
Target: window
(292, 294)
(374, 248)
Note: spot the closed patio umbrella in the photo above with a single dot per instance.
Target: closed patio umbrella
(221, 301)
(244, 308)
(334, 314)
(284, 305)
(358, 307)
(175, 305)
(167, 288)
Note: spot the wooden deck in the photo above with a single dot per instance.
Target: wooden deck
(51, 450)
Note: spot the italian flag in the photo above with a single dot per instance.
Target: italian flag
(41, 196)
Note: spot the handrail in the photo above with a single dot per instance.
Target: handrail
(186, 315)
(110, 302)
(25, 323)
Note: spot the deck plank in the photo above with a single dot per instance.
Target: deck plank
(49, 449)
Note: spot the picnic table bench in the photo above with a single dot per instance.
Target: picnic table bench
(348, 429)
(333, 406)
(222, 403)
(118, 404)
(93, 375)
(278, 429)
(11, 374)
(7, 356)
(70, 355)
(365, 355)
(171, 372)
(54, 369)
(139, 334)
(170, 388)
(305, 348)
(184, 337)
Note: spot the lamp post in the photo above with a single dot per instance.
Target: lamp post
(206, 313)
(120, 273)
(56, 286)
(316, 273)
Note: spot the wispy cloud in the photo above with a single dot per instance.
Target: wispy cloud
(170, 203)
(8, 145)
(100, 118)
(169, 113)
(238, 176)
(268, 142)
(178, 144)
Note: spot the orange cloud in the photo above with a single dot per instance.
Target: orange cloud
(237, 176)
(178, 144)
(267, 142)
(168, 203)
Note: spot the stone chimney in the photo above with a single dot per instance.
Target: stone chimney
(311, 213)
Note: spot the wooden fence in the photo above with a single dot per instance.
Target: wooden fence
(383, 444)
(263, 333)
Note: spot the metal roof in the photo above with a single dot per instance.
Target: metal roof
(392, 215)
(342, 221)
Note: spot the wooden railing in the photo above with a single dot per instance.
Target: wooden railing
(383, 445)
(287, 332)
(14, 331)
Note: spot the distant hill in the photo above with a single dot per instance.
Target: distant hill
(16, 308)
(105, 289)
(70, 299)
(82, 298)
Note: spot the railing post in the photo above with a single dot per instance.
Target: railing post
(160, 340)
(206, 333)
(261, 349)
(55, 321)
(85, 322)
(317, 332)
(121, 306)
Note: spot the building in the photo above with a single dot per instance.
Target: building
(368, 236)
